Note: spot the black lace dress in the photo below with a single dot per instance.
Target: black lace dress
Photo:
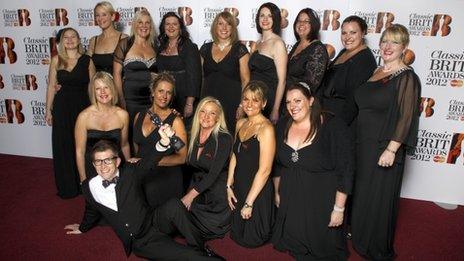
(69, 101)
(308, 185)
(308, 66)
(222, 79)
(210, 210)
(386, 109)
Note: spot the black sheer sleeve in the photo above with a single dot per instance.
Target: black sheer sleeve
(280, 140)
(342, 153)
(316, 66)
(204, 50)
(121, 50)
(192, 60)
(403, 117)
(220, 162)
(242, 50)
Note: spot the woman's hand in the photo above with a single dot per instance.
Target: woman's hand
(231, 198)
(133, 160)
(336, 218)
(49, 118)
(166, 132)
(239, 113)
(386, 159)
(187, 201)
(188, 110)
(73, 229)
(274, 117)
(246, 211)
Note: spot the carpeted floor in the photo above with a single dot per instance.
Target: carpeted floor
(32, 219)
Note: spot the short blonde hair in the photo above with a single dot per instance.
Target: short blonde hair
(138, 15)
(107, 80)
(220, 126)
(230, 19)
(107, 6)
(397, 33)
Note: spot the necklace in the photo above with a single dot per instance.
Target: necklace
(245, 132)
(171, 48)
(222, 46)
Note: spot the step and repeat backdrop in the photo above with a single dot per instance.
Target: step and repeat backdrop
(436, 170)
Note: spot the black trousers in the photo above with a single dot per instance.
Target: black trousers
(156, 244)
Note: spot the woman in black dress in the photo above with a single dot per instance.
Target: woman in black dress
(351, 68)
(387, 109)
(179, 56)
(208, 156)
(315, 174)
(268, 63)
(225, 67)
(134, 62)
(102, 46)
(71, 69)
(308, 59)
(166, 180)
(101, 120)
(249, 190)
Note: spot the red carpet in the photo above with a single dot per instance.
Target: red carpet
(32, 221)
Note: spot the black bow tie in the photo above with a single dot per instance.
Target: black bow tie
(106, 183)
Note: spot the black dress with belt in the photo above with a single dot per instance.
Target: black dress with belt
(210, 210)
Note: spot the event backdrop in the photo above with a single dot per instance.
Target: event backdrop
(434, 172)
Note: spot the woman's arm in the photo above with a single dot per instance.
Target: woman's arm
(178, 157)
(117, 76)
(193, 69)
(90, 49)
(52, 82)
(280, 61)
(316, 66)
(266, 157)
(92, 70)
(219, 161)
(80, 137)
(125, 148)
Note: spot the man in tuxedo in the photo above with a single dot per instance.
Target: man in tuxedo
(115, 194)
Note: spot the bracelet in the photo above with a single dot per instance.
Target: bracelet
(246, 205)
(389, 150)
(229, 186)
(162, 145)
(338, 209)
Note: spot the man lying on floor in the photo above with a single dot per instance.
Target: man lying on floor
(116, 195)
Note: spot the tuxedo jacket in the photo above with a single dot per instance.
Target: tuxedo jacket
(134, 217)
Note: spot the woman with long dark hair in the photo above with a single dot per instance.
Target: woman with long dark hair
(314, 176)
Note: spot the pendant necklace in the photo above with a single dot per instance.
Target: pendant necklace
(295, 156)
(223, 46)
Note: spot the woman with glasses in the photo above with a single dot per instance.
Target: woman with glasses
(308, 59)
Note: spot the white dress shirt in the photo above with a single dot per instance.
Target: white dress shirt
(105, 196)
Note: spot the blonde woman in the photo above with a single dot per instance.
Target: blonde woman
(134, 61)
(72, 69)
(101, 120)
(208, 156)
(102, 46)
